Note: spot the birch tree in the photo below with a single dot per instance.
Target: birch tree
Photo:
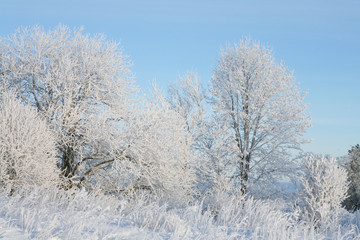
(261, 107)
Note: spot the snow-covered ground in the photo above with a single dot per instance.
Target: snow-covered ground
(9, 231)
(80, 215)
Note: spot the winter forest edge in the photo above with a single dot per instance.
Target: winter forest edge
(85, 154)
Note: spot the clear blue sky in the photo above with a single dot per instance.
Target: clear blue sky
(319, 40)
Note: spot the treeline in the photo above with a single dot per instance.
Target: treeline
(71, 116)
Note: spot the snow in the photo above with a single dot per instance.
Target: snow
(7, 231)
(138, 167)
(74, 214)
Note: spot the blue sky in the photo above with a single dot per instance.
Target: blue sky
(319, 40)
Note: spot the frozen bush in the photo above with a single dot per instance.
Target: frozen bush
(324, 188)
(79, 214)
(27, 147)
(157, 158)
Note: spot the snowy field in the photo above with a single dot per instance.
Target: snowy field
(79, 215)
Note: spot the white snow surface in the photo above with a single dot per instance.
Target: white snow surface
(74, 214)
(8, 231)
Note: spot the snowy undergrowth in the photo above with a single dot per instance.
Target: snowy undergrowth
(75, 214)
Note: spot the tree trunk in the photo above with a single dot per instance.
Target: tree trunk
(244, 173)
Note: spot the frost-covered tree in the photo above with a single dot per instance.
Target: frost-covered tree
(188, 98)
(324, 187)
(27, 148)
(353, 168)
(80, 84)
(107, 137)
(261, 109)
(157, 156)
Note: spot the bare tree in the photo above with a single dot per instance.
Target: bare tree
(262, 111)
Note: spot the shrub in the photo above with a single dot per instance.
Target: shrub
(324, 187)
(27, 147)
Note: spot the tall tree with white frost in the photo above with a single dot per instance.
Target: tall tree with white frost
(81, 85)
(261, 107)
